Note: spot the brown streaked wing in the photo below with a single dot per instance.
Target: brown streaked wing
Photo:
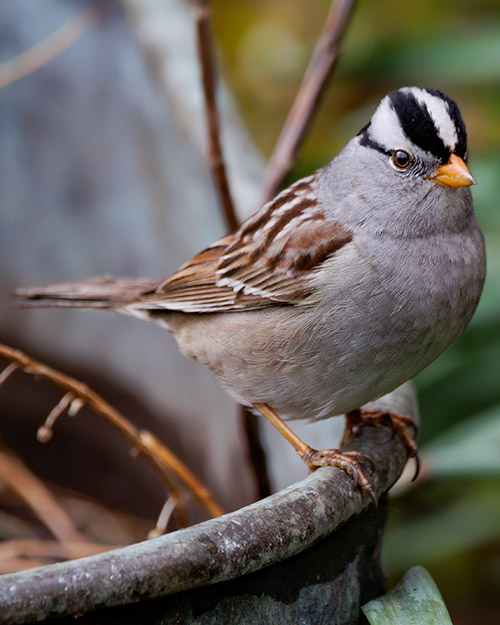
(193, 288)
(293, 239)
(267, 261)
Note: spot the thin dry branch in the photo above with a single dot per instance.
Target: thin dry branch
(21, 554)
(35, 548)
(48, 49)
(44, 433)
(40, 500)
(203, 496)
(163, 518)
(320, 68)
(7, 372)
(256, 453)
(325, 55)
(80, 391)
(215, 155)
(249, 422)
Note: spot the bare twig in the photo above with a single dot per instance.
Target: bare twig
(163, 518)
(7, 372)
(215, 155)
(30, 547)
(256, 453)
(21, 554)
(44, 433)
(35, 494)
(48, 49)
(320, 68)
(163, 464)
(151, 443)
(249, 422)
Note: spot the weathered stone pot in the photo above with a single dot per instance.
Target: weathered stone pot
(308, 554)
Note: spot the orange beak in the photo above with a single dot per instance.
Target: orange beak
(454, 174)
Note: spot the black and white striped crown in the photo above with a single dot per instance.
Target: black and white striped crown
(426, 118)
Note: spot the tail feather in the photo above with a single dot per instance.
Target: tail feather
(102, 292)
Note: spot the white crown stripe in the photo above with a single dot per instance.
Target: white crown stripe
(385, 128)
(438, 110)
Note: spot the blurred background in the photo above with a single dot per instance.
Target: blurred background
(102, 171)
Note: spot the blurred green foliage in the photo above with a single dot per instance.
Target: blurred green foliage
(452, 524)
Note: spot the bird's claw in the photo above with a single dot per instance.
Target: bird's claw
(348, 461)
(399, 425)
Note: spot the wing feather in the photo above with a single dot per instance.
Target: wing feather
(267, 261)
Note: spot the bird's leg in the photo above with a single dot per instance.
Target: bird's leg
(399, 424)
(348, 461)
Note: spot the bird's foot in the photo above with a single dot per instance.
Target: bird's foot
(348, 461)
(399, 424)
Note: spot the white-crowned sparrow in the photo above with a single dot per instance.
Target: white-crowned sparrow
(348, 283)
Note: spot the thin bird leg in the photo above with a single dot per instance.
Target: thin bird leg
(399, 424)
(348, 461)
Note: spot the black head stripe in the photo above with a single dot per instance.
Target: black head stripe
(453, 110)
(418, 125)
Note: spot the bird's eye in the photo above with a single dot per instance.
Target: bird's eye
(401, 159)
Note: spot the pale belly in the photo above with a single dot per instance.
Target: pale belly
(377, 330)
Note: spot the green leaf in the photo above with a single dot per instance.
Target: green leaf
(416, 600)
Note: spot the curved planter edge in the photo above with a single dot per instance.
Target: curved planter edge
(227, 547)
